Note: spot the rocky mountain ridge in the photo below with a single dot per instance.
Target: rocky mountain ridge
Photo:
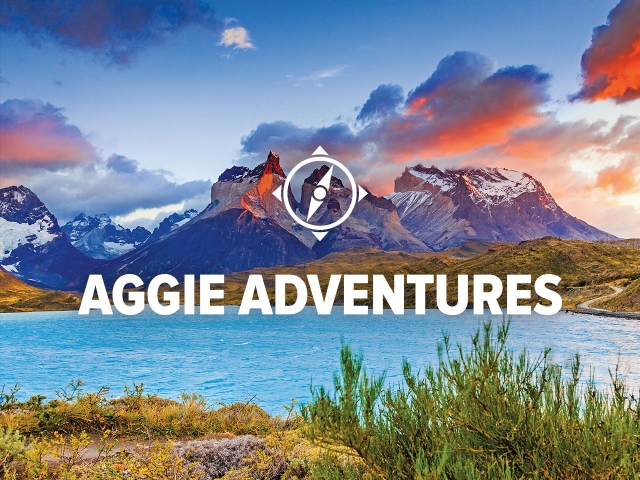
(100, 237)
(246, 226)
(446, 208)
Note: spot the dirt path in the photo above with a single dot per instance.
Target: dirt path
(587, 305)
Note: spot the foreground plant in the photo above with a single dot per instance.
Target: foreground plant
(482, 413)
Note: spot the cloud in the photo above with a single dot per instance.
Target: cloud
(611, 64)
(465, 104)
(40, 149)
(622, 178)
(297, 141)
(383, 101)
(117, 186)
(36, 134)
(114, 30)
(322, 74)
(236, 37)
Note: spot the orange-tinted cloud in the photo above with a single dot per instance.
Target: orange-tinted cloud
(35, 134)
(465, 104)
(622, 178)
(611, 64)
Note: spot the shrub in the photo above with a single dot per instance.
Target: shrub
(216, 457)
(483, 413)
(11, 446)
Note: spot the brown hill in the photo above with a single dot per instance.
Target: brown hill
(17, 296)
(584, 267)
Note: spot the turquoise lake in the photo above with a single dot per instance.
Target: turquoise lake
(234, 358)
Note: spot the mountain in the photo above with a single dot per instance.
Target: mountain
(245, 226)
(241, 229)
(170, 223)
(374, 222)
(99, 237)
(17, 296)
(33, 247)
(446, 208)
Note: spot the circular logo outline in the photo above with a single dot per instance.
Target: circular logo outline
(296, 218)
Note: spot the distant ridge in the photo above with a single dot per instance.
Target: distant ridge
(100, 237)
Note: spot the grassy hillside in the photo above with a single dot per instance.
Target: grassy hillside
(17, 296)
(362, 260)
(628, 300)
(627, 242)
(585, 268)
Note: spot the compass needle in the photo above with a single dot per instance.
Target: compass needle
(320, 193)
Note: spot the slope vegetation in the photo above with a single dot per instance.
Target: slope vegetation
(584, 267)
(17, 296)
(627, 301)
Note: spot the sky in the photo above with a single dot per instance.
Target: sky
(134, 108)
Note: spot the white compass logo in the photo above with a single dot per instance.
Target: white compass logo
(321, 192)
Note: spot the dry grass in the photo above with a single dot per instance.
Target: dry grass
(17, 296)
(627, 301)
(87, 436)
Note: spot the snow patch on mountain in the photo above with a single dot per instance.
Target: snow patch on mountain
(446, 208)
(13, 235)
(99, 237)
(170, 223)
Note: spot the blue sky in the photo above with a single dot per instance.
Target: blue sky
(183, 105)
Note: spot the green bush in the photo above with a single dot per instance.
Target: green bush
(482, 413)
(11, 446)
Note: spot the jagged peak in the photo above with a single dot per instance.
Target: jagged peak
(273, 165)
(238, 172)
(421, 168)
(19, 204)
(18, 193)
(318, 174)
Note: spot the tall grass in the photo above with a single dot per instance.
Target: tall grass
(481, 413)
(134, 414)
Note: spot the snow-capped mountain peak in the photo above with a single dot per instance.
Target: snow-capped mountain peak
(492, 182)
(446, 208)
(100, 237)
(24, 220)
(32, 245)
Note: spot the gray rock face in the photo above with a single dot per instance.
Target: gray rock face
(446, 208)
(170, 223)
(374, 223)
(100, 237)
(309, 184)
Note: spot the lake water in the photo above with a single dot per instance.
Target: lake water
(232, 358)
